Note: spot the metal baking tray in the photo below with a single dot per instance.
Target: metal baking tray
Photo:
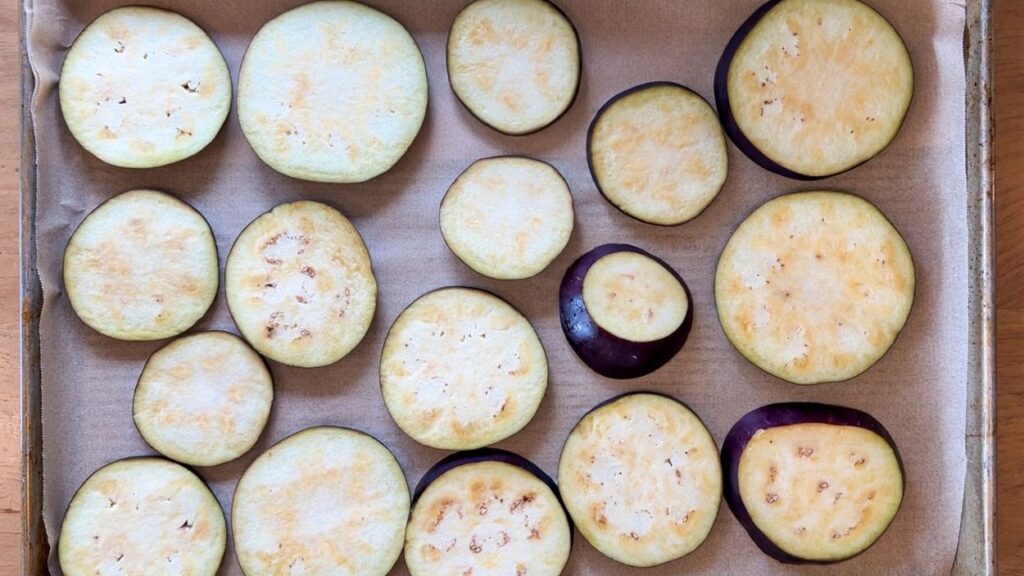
(976, 555)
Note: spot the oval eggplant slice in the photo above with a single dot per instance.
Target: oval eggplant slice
(300, 285)
(514, 64)
(141, 266)
(625, 312)
(143, 87)
(142, 516)
(203, 399)
(812, 483)
(657, 152)
(332, 91)
(814, 286)
(461, 368)
(507, 218)
(322, 501)
(812, 88)
(641, 479)
(487, 512)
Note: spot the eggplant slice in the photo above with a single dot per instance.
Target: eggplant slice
(812, 88)
(624, 312)
(507, 218)
(203, 399)
(641, 479)
(323, 501)
(487, 512)
(657, 152)
(812, 483)
(142, 516)
(300, 285)
(143, 87)
(332, 91)
(514, 64)
(461, 369)
(814, 286)
(141, 266)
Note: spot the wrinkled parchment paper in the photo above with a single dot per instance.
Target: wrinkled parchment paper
(917, 390)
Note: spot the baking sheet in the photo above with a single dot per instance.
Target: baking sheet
(917, 390)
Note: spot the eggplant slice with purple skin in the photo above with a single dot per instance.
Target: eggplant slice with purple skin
(657, 153)
(811, 88)
(624, 312)
(641, 479)
(812, 483)
(487, 508)
(514, 64)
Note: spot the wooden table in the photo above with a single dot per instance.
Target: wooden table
(1009, 100)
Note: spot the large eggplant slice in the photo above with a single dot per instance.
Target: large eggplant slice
(625, 312)
(487, 512)
(323, 501)
(203, 399)
(143, 87)
(812, 88)
(657, 152)
(514, 64)
(332, 91)
(812, 483)
(814, 286)
(141, 266)
(142, 516)
(300, 285)
(507, 217)
(641, 479)
(461, 368)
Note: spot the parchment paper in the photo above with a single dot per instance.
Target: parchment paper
(917, 390)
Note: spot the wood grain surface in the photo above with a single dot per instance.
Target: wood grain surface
(1009, 107)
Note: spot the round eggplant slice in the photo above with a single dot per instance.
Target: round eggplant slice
(814, 286)
(143, 87)
(625, 312)
(332, 91)
(812, 88)
(323, 501)
(812, 483)
(203, 399)
(507, 218)
(487, 512)
(514, 64)
(300, 285)
(641, 479)
(657, 152)
(141, 266)
(142, 516)
(461, 369)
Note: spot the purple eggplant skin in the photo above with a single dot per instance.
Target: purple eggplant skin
(590, 138)
(785, 414)
(604, 352)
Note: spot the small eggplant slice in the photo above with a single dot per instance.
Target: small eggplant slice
(332, 92)
(300, 285)
(487, 512)
(507, 218)
(203, 399)
(812, 88)
(514, 64)
(323, 501)
(812, 483)
(814, 286)
(141, 266)
(657, 152)
(461, 369)
(641, 479)
(624, 312)
(142, 516)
